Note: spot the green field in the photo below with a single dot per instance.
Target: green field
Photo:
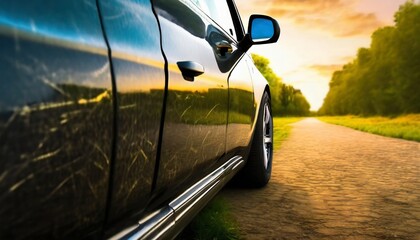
(405, 127)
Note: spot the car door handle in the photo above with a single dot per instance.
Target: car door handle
(190, 69)
(223, 47)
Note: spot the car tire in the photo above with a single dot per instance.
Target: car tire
(257, 171)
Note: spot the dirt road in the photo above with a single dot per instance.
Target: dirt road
(332, 182)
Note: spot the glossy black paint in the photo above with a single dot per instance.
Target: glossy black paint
(133, 35)
(55, 113)
(242, 109)
(196, 111)
(196, 135)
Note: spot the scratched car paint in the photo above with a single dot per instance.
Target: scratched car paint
(101, 124)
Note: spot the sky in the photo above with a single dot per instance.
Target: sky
(318, 37)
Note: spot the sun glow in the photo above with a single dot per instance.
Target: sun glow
(318, 37)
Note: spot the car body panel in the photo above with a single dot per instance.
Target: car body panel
(196, 111)
(55, 113)
(242, 109)
(134, 39)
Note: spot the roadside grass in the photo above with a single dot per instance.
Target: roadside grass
(282, 129)
(405, 127)
(215, 220)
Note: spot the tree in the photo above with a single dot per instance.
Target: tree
(285, 100)
(385, 78)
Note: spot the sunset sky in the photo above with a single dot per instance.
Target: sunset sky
(318, 37)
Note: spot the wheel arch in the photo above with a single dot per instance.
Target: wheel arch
(260, 86)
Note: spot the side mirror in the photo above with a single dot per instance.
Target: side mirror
(261, 30)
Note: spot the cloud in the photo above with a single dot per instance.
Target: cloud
(338, 17)
(326, 70)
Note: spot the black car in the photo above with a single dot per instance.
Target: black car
(123, 118)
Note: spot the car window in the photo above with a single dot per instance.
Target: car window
(218, 10)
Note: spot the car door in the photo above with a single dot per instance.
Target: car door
(56, 120)
(199, 42)
(138, 67)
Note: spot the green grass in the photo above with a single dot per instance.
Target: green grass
(405, 127)
(282, 129)
(213, 222)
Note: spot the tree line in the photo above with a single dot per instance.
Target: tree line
(385, 78)
(285, 100)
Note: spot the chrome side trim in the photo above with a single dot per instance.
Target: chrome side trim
(198, 190)
(170, 220)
